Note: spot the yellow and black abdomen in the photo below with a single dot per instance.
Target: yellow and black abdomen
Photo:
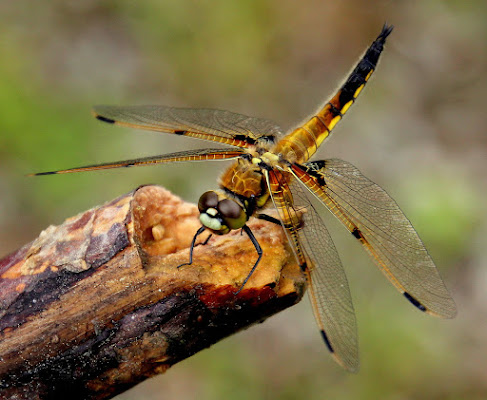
(303, 142)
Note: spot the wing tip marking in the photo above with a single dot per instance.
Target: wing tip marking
(327, 342)
(357, 234)
(104, 119)
(43, 173)
(415, 302)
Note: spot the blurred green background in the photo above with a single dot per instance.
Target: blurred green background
(419, 130)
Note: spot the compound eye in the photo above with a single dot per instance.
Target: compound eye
(207, 200)
(229, 209)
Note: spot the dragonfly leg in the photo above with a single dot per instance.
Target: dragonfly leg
(256, 244)
(206, 240)
(199, 232)
(268, 218)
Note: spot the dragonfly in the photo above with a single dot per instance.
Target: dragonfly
(272, 169)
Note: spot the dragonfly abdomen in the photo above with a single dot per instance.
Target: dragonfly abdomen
(304, 141)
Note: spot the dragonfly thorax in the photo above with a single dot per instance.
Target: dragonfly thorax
(245, 181)
(220, 214)
(266, 160)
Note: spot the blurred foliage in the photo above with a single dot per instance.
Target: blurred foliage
(418, 130)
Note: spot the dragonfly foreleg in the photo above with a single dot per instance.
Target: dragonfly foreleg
(256, 244)
(206, 240)
(268, 218)
(199, 232)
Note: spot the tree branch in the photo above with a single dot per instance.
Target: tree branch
(96, 305)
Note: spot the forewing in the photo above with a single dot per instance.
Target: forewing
(182, 156)
(375, 219)
(213, 125)
(328, 287)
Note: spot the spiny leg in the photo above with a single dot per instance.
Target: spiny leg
(199, 232)
(268, 218)
(256, 244)
(207, 240)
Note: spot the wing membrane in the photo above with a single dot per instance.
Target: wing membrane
(328, 287)
(214, 125)
(374, 218)
(182, 156)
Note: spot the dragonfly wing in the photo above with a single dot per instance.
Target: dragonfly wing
(182, 156)
(214, 125)
(328, 287)
(375, 219)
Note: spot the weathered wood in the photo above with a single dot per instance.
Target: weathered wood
(96, 305)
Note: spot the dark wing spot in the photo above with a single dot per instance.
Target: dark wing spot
(321, 180)
(268, 138)
(357, 234)
(313, 168)
(104, 119)
(244, 138)
(180, 132)
(316, 165)
(327, 342)
(414, 302)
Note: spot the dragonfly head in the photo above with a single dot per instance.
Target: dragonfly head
(220, 214)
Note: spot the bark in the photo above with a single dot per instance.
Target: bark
(97, 304)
